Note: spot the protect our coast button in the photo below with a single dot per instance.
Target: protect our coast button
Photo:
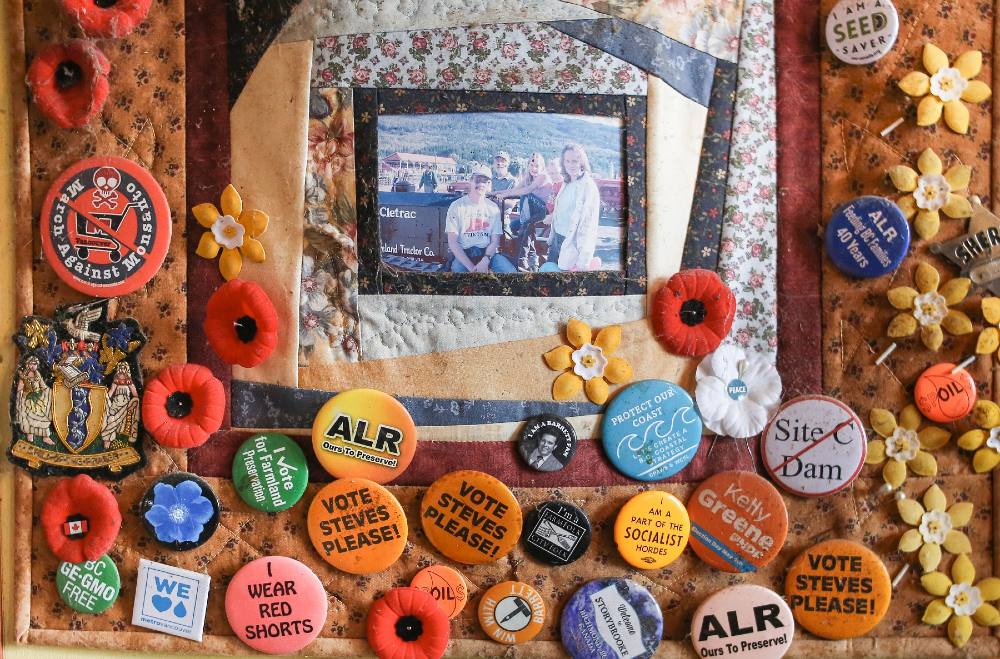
(547, 442)
(471, 517)
(445, 585)
(611, 618)
(838, 589)
(556, 532)
(744, 621)
(738, 521)
(943, 396)
(862, 31)
(867, 237)
(357, 526)
(814, 446)
(276, 605)
(270, 472)
(105, 226)
(89, 587)
(511, 612)
(651, 430)
(364, 433)
(651, 530)
(180, 510)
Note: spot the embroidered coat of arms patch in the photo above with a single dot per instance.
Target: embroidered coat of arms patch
(75, 400)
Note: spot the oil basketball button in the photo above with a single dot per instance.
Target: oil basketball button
(838, 589)
(867, 237)
(105, 226)
(471, 517)
(547, 442)
(611, 618)
(270, 472)
(651, 430)
(445, 585)
(364, 433)
(945, 396)
(814, 446)
(862, 31)
(652, 529)
(276, 605)
(744, 621)
(357, 526)
(556, 532)
(511, 612)
(738, 521)
(89, 587)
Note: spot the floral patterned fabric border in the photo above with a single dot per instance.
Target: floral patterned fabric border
(748, 253)
(520, 57)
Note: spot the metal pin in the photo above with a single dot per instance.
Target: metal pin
(711, 446)
(961, 365)
(885, 354)
(899, 575)
(891, 127)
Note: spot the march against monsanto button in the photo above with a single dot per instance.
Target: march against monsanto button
(357, 526)
(270, 472)
(651, 530)
(838, 589)
(471, 517)
(511, 612)
(611, 618)
(944, 396)
(105, 226)
(738, 521)
(276, 605)
(814, 446)
(867, 237)
(862, 31)
(651, 430)
(89, 587)
(745, 621)
(364, 433)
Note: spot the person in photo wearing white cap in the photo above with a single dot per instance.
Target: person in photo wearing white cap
(502, 178)
(474, 227)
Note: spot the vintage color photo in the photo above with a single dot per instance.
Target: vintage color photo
(502, 192)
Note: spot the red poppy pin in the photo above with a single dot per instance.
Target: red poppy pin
(407, 622)
(241, 323)
(80, 518)
(110, 19)
(183, 406)
(693, 312)
(69, 82)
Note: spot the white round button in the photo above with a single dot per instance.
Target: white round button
(862, 31)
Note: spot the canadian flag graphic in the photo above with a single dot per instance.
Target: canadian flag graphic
(76, 526)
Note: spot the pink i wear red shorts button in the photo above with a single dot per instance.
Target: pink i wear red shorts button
(276, 605)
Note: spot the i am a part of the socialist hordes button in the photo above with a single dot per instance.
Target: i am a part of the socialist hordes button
(744, 622)
(471, 517)
(105, 226)
(651, 530)
(364, 433)
(838, 589)
(814, 446)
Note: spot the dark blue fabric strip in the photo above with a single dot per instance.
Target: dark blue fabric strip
(256, 405)
(686, 69)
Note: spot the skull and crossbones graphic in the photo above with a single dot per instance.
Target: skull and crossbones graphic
(106, 182)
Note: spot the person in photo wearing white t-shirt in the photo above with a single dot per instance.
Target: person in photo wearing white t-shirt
(474, 228)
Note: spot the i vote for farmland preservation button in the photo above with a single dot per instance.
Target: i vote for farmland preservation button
(270, 472)
(838, 589)
(814, 446)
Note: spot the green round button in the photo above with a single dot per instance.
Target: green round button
(270, 472)
(89, 587)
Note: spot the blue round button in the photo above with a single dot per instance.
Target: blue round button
(867, 237)
(611, 618)
(651, 430)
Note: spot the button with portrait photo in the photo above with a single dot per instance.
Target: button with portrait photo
(547, 442)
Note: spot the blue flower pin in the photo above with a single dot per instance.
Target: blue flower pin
(179, 513)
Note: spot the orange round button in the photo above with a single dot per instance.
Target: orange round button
(944, 396)
(511, 612)
(652, 529)
(357, 526)
(738, 521)
(364, 433)
(445, 585)
(838, 589)
(471, 517)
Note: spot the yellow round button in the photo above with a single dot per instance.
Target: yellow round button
(364, 433)
(471, 517)
(357, 526)
(511, 612)
(652, 529)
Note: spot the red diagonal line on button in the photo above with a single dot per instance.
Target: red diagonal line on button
(814, 444)
(103, 227)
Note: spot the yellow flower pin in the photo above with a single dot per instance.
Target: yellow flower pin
(927, 307)
(985, 438)
(931, 191)
(590, 360)
(944, 87)
(960, 602)
(936, 527)
(904, 445)
(234, 231)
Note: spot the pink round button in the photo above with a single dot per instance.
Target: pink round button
(744, 621)
(276, 605)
